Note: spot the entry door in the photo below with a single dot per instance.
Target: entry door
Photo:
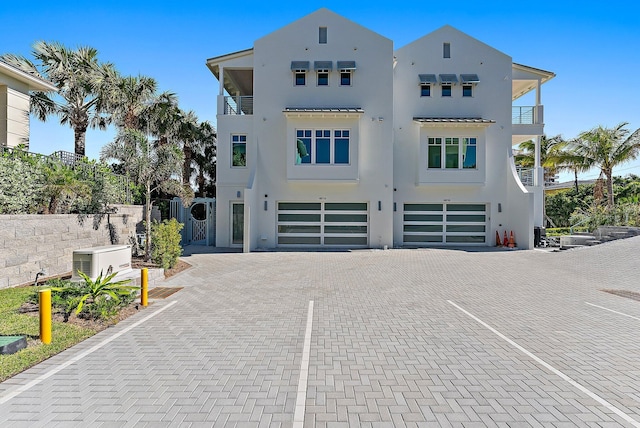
(237, 224)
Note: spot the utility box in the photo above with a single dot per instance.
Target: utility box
(107, 259)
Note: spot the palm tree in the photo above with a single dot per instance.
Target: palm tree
(205, 157)
(188, 130)
(151, 165)
(162, 118)
(549, 152)
(606, 148)
(128, 99)
(81, 80)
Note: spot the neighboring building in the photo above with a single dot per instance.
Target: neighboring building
(329, 138)
(15, 85)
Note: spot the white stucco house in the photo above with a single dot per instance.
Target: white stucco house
(15, 86)
(329, 138)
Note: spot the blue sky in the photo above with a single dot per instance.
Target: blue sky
(592, 48)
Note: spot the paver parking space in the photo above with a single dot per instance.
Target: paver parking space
(387, 348)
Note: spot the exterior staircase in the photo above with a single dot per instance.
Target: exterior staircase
(600, 235)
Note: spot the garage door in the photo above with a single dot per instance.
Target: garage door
(320, 224)
(440, 224)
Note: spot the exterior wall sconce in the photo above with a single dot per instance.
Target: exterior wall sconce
(499, 207)
(265, 205)
(238, 194)
(395, 208)
(379, 205)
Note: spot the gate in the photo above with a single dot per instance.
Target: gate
(198, 219)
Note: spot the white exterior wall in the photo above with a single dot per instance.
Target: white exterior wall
(368, 178)
(491, 100)
(388, 149)
(14, 116)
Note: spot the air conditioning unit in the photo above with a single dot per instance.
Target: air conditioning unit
(106, 260)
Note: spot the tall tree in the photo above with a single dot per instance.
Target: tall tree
(205, 158)
(549, 150)
(81, 80)
(129, 98)
(188, 135)
(151, 165)
(606, 148)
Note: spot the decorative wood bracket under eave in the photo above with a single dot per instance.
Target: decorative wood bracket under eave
(454, 122)
(319, 112)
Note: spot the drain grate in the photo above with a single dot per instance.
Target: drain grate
(624, 293)
(162, 292)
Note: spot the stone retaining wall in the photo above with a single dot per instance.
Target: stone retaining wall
(29, 243)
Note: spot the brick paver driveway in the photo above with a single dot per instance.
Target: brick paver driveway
(395, 338)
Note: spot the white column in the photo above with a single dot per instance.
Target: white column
(221, 76)
(538, 178)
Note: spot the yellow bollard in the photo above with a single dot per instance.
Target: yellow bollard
(144, 283)
(44, 297)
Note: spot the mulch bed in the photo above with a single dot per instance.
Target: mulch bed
(99, 325)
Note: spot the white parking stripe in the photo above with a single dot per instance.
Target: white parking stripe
(22, 388)
(552, 369)
(611, 310)
(301, 398)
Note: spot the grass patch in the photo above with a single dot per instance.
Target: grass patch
(13, 323)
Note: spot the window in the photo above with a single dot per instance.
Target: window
(322, 35)
(467, 90)
(238, 150)
(425, 90)
(345, 78)
(322, 146)
(457, 153)
(446, 90)
(323, 77)
(300, 77)
(446, 50)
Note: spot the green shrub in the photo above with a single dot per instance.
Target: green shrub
(165, 242)
(559, 231)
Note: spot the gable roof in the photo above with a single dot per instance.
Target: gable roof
(34, 83)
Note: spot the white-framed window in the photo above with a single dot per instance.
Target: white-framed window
(322, 77)
(467, 90)
(238, 150)
(300, 77)
(446, 90)
(322, 146)
(345, 77)
(452, 153)
(425, 90)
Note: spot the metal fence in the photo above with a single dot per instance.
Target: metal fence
(81, 164)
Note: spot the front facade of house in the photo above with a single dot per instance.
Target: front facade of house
(338, 141)
(15, 85)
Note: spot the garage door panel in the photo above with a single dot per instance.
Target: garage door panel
(430, 224)
(323, 224)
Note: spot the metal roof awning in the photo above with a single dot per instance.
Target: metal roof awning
(343, 112)
(469, 78)
(323, 65)
(299, 65)
(346, 65)
(453, 121)
(427, 79)
(448, 79)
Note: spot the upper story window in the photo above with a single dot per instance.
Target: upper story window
(238, 150)
(299, 69)
(426, 82)
(451, 152)
(322, 146)
(322, 35)
(323, 68)
(300, 77)
(446, 90)
(446, 50)
(447, 81)
(346, 69)
(468, 82)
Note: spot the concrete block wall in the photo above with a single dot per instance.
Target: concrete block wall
(29, 243)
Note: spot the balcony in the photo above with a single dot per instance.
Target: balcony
(527, 123)
(238, 105)
(525, 175)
